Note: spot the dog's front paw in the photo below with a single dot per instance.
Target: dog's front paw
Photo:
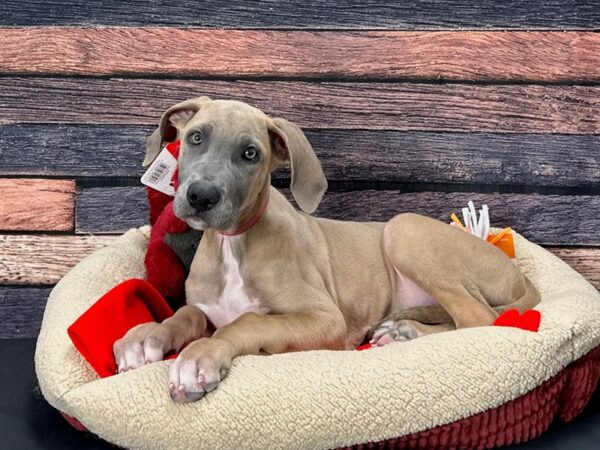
(143, 344)
(394, 331)
(199, 368)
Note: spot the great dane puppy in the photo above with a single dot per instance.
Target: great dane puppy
(271, 279)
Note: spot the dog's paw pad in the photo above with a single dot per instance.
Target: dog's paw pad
(394, 331)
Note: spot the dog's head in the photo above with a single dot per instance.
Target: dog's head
(228, 151)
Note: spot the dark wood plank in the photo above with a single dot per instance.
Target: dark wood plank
(36, 204)
(73, 150)
(346, 155)
(354, 14)
(457, 55)
(545, 219)
(43, 259)
(111, 210)
(396, 106)
(22, 309)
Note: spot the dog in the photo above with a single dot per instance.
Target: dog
(268, 278)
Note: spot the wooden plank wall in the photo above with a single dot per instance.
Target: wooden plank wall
(411, 106)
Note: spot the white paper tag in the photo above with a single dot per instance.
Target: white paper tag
(159, 174)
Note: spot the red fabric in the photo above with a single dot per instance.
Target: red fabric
(529, 320)
(366, 346)
(164, 269)
(74, 422)
(156, 203)
(173, 148)
(130, 303)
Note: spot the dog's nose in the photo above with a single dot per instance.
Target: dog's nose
(203, 197)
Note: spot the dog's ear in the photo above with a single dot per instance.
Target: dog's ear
(308, 180)
(174, 118)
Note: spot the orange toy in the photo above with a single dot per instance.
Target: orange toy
(479, 225)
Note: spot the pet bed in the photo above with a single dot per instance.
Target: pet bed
(479, 387)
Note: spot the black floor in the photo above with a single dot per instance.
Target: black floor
(27, 422)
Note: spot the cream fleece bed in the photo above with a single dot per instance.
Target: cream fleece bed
(318, 399)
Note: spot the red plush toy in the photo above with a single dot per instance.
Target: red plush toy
(529, 320)
(128, 304)
(133, 302)
(164, 268)
(172, 243)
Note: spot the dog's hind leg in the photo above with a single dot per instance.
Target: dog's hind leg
(465, 275)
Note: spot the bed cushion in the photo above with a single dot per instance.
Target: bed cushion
(480, 387)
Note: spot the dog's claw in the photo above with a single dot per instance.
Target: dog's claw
(180, 395)
(194, 396)
(211, 386)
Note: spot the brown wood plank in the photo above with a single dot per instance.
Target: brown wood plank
(346, 155)
(22, 307)
(43, 259)
(36, 204)
(545, 219)
(457, 55)
(586, 261)
(395, 106)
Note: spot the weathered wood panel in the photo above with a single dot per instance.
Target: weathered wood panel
(346, 155)
(109, 210)
(586, 261)
(36, 204)
(546, 219)
(379, 14)
(73, 150)
(458, 55)
(43, 259)
(21, 310)
(394, 106)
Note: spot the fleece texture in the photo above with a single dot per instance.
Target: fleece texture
(317, 399)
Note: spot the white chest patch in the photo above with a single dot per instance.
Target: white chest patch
(234, 301)
(412, 295)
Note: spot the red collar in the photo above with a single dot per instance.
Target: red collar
(251, 222)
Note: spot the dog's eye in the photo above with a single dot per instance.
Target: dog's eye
(195, 138)
(250, 154)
